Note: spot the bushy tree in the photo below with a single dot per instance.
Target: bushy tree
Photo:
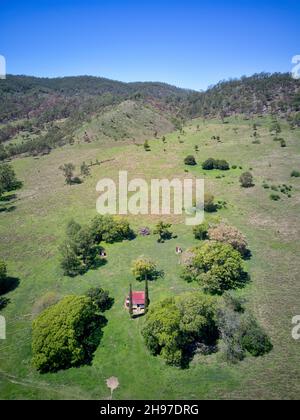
(162, 332)
(190, 160)
(8, 179)
(144, 268)
(65, 334)
(211, 163)
(200, 231)
(253, 337)
(163, 232)
(215, 266)
(173, 326)
(111, 229)
(246, 180)
(100, 298)
(84, 169)
(209, 203)
(198, 316)
(68, 171)
(229, 235)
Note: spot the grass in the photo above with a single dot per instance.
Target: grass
(32, 230)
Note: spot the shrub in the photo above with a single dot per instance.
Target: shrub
(209, 204)
(283, 143)
(100, 298)
(216, 267)
(254, 339)
(200, 231)
(275, 197)
(190, 160)
(229, 235)
(211, 163)
(144, 268)
(295, 174)
(163, 232)
(234, 167)
(110, 229)
(246, 180)
(222, 165)
(65, 334)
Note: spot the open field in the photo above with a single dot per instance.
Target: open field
(32, 225)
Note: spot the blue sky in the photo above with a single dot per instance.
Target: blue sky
(190, 43)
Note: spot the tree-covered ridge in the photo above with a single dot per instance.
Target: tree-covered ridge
(49, 99)
(262, 93)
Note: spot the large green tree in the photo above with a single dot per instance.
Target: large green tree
(216, 267)
(65, 334)
(174, 325)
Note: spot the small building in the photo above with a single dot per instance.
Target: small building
(138, 303)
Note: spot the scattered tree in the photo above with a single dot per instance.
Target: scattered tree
(84, 169)
(8, 179)
(246, 180)
(147, 146)
(190, 160)
(200, 231)
(144, 268)
(68, 171)
(162, 230)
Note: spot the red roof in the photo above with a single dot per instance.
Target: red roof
(138, 298)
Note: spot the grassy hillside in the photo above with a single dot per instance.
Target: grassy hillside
(32, 225)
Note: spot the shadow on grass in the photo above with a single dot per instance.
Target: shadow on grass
(8, 285)
(7, 209)
(3, 302)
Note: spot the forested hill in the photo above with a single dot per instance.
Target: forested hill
(39, 114)
(259, 94)
(49, 99)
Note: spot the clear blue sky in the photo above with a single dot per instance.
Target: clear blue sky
(186, 43)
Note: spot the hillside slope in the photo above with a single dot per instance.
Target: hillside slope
(259, 94)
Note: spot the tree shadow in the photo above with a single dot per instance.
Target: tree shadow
(8, 198)
(8, 285)
(7, 209)
(4, 302)
(247, 255)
